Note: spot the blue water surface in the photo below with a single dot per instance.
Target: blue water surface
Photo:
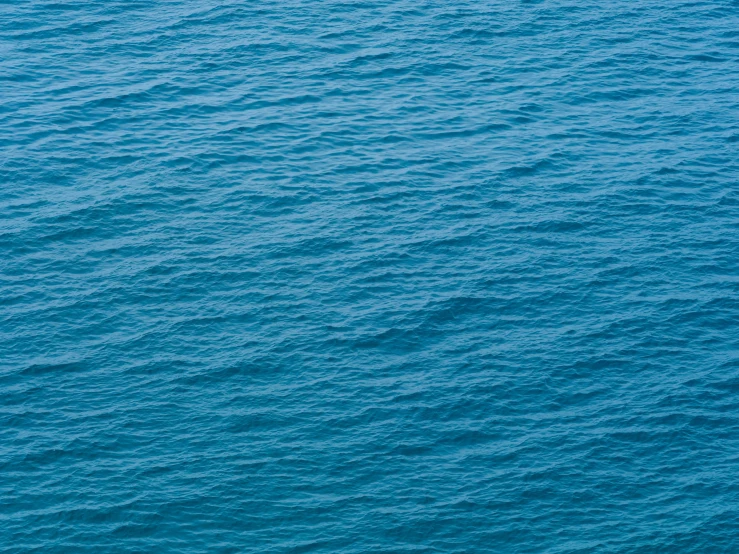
(363, 276)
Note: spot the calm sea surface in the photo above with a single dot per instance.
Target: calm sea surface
(369, 276)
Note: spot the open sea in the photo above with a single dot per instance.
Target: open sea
(369, 276)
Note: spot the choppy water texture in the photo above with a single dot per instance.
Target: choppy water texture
(393, 276)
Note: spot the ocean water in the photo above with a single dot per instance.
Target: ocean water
(369, 276)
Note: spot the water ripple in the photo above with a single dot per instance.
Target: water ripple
(369, 277)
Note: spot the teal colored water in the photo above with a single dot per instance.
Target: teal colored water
(369, 276)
